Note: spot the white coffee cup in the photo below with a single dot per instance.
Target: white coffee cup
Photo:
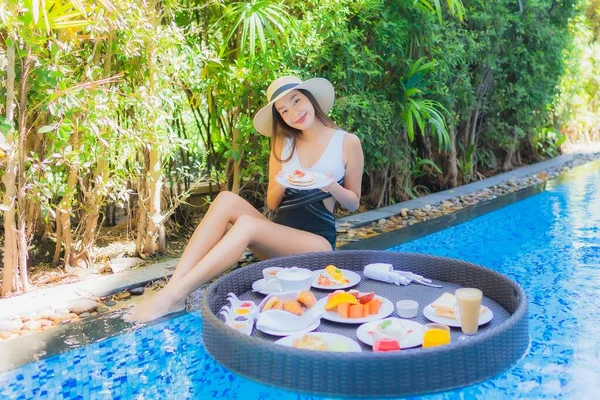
(466, 309)
(270, 274)
(291, 279)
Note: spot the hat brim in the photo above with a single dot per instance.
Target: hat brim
(320, 88)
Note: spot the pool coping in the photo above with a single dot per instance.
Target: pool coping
(45, 344)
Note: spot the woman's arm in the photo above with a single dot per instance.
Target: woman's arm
(349, 195)
(275, 191)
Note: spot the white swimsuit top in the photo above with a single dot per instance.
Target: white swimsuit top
(331, 162)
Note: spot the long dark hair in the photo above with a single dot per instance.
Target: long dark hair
(281, 130)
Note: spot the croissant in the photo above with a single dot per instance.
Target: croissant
(293, 306)
(307, 298)
(273, 304)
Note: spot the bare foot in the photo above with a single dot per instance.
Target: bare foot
(161, 304)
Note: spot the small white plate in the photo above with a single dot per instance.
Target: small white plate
(310, 328)
(413, 338)
(352, 276)
(429, 313)
(332, 340)
(385, 310)
(320, 181)
(259, 286)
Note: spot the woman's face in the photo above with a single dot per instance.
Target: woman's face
(296, 110)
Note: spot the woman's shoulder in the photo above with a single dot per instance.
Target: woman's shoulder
(351, 139)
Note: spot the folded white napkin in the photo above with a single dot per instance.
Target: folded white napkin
(284, 321)
(385, 273)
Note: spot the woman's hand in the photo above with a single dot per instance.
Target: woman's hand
(330, 184)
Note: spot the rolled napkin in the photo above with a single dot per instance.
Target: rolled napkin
(385, 273)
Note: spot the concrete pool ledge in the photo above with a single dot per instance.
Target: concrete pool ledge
(58, 297)
(395, 209)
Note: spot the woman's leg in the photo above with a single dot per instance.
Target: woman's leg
(267, 237)
(225, 209)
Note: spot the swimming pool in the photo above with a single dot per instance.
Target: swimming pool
(549, 243)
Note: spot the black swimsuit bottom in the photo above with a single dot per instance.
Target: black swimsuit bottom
(304, 210)
(300, 218)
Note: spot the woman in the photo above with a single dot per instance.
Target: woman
(303, 137)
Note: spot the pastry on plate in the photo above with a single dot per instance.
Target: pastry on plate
(310, 342)
(307, 298)
(301, 178)
(273, 304)
(293, 306)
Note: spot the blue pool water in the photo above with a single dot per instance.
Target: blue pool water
(549, 243)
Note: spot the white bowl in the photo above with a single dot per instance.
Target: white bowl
(407, 308)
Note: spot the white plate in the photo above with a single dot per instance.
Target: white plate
(320, 181)
(412, 339)
(259, 286)
(384, 311)
(331, 339)
(311, 328)
(352, 276)
(429, 313)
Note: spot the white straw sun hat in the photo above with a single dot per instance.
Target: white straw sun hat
(320, 88)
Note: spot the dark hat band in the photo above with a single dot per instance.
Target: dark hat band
(282, 89)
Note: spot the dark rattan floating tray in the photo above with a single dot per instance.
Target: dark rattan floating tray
(491, 351)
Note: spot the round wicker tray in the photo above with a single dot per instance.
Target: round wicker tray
(491, 351)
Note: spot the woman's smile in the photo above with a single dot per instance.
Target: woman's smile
(301, 120)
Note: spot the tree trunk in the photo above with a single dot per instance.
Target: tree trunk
(63, 215)
(95, 195)
(236, 156)
(452, 174)
(10, 282)
(154, 166)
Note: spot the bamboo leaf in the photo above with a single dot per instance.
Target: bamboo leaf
(79, 6)
(35, 10)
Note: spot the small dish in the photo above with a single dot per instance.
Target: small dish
(413, 332)
(429, 313)
(407, 308)
(310, 328)
(352, 276)
(335, 342)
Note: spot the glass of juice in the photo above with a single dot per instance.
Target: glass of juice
(436, 335)
(383, 342)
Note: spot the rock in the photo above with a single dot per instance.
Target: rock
(45, 322)
(124, 295)
(427, 207)
(29, 316)
(71, 316)
(94, 313)
(138, 291)
(65, 321)
(125, 263)
(404, 212)
(5, 326)
(102, 309)
(45, 313)
(33, 325)
(60, 312)
(447, 204)
(17, 324)
(110, 303)
(24, 332)
(46, 327)
(85, 314)
(79, 306)
(5, 335)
